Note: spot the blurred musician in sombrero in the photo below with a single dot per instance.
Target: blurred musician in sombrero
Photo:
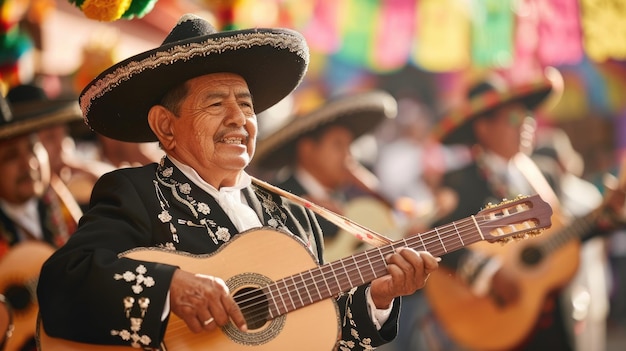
(312, 157)
(36, 215)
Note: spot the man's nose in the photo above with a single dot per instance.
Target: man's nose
(235, 115)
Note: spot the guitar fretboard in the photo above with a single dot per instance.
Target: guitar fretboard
(330, 279)
(512, 219)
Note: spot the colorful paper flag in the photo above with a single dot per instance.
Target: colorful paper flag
(604, 29)
(443, 35)
(359, 23)
(395, 35)
(560, 40)
(492, 33)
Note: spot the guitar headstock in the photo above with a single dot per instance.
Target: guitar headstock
(514, 219)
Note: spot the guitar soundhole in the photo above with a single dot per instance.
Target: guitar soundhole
(248, 291)
(254, 306)
(18, 297)
(531, 255)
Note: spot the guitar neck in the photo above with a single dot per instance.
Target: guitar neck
(577, 229)
(328, 280)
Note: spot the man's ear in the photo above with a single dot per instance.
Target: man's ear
(160, 120)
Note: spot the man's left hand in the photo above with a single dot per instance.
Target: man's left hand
(408, 272)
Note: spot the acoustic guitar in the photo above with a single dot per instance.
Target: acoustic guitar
(19, 272)
(282, 291)
(541, 265)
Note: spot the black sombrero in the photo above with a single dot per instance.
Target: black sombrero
(360, 113)
(27, 109)
(484, 97)
(272, 61)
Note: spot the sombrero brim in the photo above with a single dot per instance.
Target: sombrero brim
(359, 113)
(29, 117)
(455, 127)
(116, 103)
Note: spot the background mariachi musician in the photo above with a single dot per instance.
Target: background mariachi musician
(37, 212)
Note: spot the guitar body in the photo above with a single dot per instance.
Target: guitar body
(19, 271)
(6, 322)
(243, 262)
(478, 322)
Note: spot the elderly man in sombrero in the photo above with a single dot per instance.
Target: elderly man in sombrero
(29, 207)
(193, 253)
(311, 157)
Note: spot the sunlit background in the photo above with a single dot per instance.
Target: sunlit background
(429, 49)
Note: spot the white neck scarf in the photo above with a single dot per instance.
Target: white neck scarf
(231, 198)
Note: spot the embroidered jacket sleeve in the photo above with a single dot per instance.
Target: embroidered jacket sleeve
(103, 299)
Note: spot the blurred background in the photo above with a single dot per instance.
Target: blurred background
(425, 51)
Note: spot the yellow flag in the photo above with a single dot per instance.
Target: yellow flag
(604, 29)
(443, 31)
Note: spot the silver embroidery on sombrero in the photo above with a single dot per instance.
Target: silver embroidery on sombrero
(187, 52)
(139, 280)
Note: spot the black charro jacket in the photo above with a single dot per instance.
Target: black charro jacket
(84, 289)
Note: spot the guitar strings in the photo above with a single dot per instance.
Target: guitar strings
(350, 267)
(286, 300)
(459, 229)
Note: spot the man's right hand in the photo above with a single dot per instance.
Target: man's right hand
(203, 302)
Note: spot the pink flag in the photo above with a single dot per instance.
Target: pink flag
(322, 32)
(395, 34)
(560, 39)
(526, 38)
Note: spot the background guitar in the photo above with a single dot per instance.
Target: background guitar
(374, 211)
(542, 265)
(6, 322)
(369, 212)
(19, 272)
(392, 220)
(278, 300)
